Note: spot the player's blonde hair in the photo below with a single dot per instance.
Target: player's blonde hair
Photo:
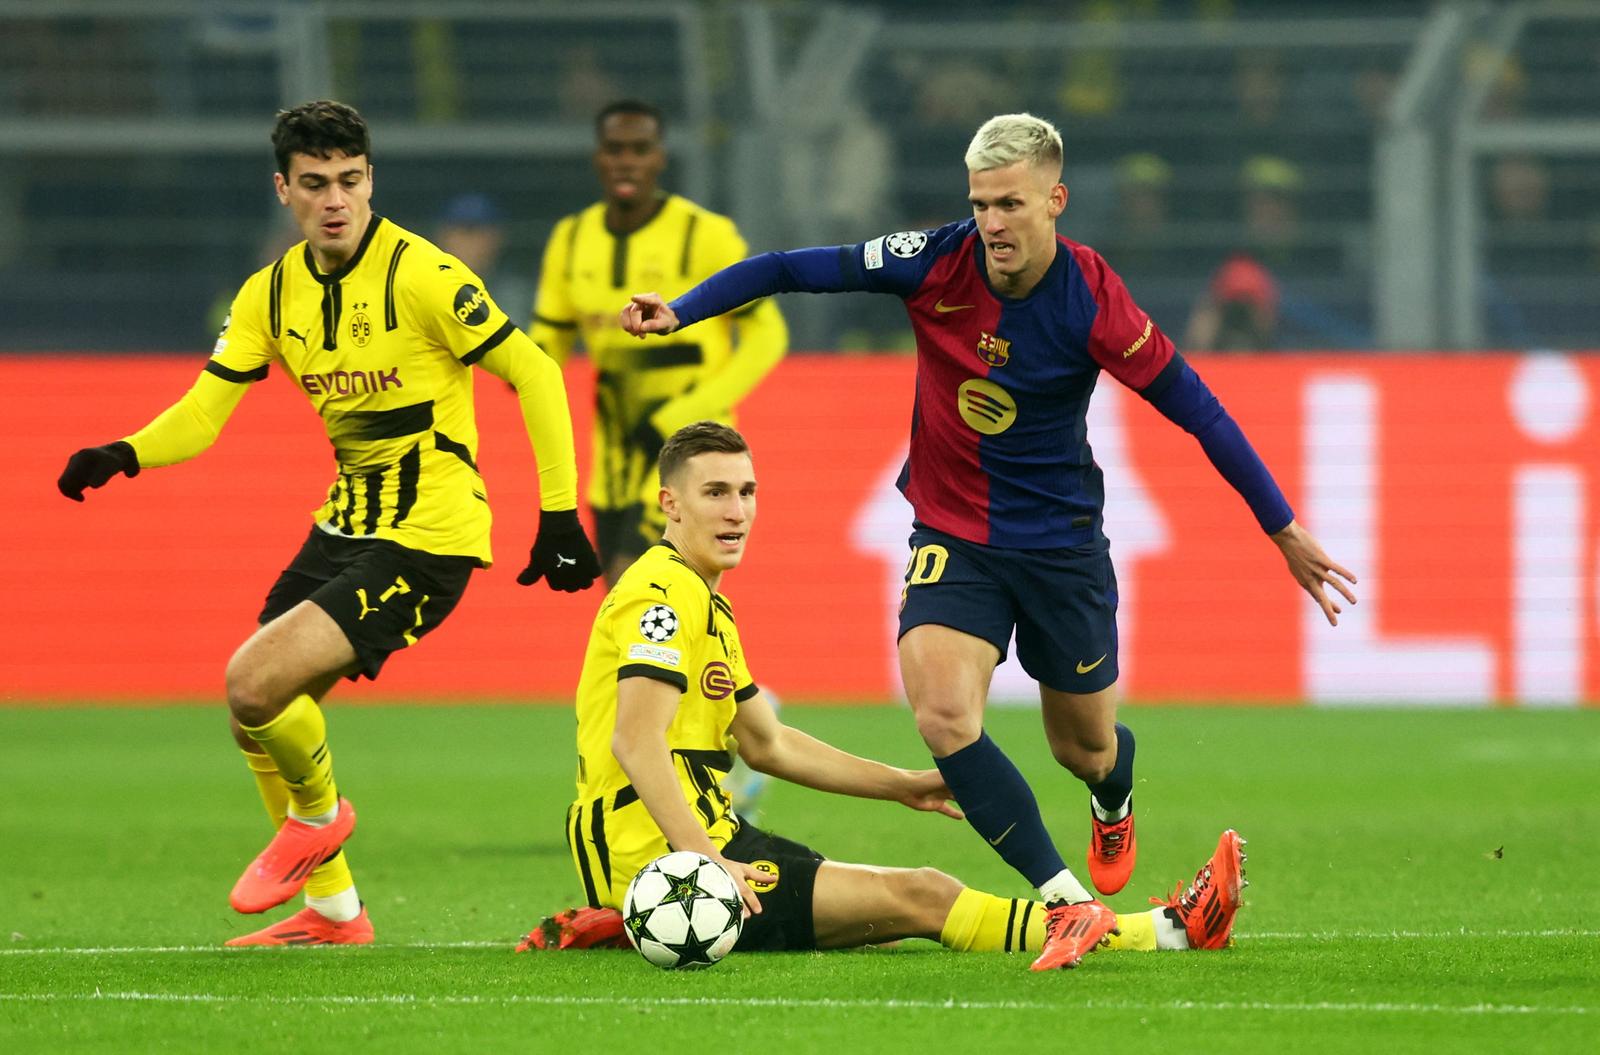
(1009, 138)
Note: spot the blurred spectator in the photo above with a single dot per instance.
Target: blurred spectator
(1519, 189)
(472, 229)
(585, 86)
(1239, 312)
(1271, 188)
(1141, 239)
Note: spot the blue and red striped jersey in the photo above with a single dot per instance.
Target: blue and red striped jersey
(999, 447)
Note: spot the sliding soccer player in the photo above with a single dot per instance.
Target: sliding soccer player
(380, 330)
(665, 688)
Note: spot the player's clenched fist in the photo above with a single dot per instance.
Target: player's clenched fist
(561, 554)
(94, 466)
(647, 313)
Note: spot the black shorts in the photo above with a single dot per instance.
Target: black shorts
(622, 533)
(383, 595)
(1061, 602)
(785, 923)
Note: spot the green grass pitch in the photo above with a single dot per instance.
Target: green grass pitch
(1421, 881)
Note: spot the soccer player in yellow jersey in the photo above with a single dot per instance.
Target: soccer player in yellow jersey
(640, 234)
(379, 329)
(666, 697)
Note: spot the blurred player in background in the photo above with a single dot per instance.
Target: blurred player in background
(1014, 324)
(379, 328)
(665, 685)
(641, 237)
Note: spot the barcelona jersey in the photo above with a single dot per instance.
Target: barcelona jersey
(999, 448)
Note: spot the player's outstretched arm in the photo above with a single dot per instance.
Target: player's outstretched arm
(1314, 570)
(769, 746)
(562, 554)
(182, 431)
(645, 708)
(817, 270)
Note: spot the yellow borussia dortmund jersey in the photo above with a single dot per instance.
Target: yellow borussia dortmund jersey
(587, 277)
(382, 348)
(660, 621)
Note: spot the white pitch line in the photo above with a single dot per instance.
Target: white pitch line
(1329, 935)
(789, 1003)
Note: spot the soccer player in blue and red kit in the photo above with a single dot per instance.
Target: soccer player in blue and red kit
(1014, 325)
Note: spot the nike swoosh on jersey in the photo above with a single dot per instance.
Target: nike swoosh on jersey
(1084, 670)
(944, 309)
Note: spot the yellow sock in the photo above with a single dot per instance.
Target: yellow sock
(329, 878)
(297, 742)
(980, 922)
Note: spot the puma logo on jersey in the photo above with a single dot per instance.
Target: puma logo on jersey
(361, 595)
(296, 336)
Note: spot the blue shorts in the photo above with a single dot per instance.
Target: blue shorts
(1062, 603)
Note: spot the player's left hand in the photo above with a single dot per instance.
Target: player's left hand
(561, 554)
(1314, 570)
(925, 790)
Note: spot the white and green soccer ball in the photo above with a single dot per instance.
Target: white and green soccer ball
(683, 911)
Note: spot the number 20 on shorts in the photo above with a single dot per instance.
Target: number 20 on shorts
(926, 565)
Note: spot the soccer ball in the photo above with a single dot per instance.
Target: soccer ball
(683, 911)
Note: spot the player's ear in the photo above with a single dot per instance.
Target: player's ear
(281, 185)
(1058, 200)
(669, 504)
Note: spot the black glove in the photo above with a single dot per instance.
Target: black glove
(561, 554)
(95, 466)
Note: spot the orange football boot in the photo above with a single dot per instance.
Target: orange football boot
(1207, 908)
(1072, 930)
(578, 928)
(310, 927)
(279, 871)
(1112, 851)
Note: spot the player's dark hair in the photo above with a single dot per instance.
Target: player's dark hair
(703, 437)
(320, 129)
(635, 107)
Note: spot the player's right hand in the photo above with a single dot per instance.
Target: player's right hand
(743, 875)
(95, 466)
(648, 313)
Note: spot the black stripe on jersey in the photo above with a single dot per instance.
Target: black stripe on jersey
(450, 446)
(348, 482)
(597, 832)
(619, 261)
(608, 408)
(1011, 919)
(275, 300)
(491, 342)
(374, 501)
(238, 377)
(676, 678)
(698, 764)
(390, 424)
(406, 493)
(572, 245)
(850, 267)
(749, 691)
(626, 797)
(391, 317)
(332, 305)
(554, 324)
(651, 357)
(1022, 930)
(581, 852)
(688, 241)
(723, 606)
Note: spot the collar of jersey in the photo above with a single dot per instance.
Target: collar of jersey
(666, 201)
(1044, 279)
(349, 265)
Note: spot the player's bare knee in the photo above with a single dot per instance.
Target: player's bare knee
(1088, 765)
(946, 729)
(249, 701)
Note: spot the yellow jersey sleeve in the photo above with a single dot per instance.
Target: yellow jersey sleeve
(542, 395)
(555, 318)
(449, 305)
(241, 356)
(655, 630)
